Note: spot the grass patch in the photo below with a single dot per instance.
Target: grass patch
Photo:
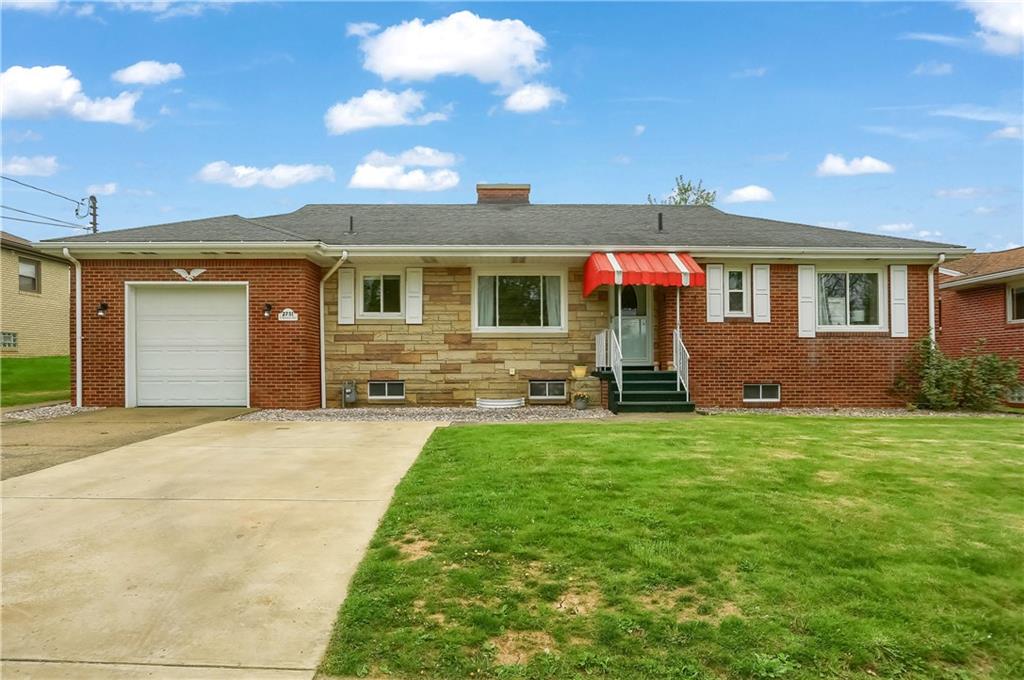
(29, 380)
(718, 547)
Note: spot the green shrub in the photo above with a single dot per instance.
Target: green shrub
(977, 381)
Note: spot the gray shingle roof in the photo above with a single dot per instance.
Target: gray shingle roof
(510, 225)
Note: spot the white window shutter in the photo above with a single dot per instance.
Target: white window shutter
(715, 281)
(346, 297)
(414, 295)
(762, 293)
(806, 301)
(898, 297)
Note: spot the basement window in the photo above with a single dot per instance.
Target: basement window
(547, 390)
(762, 392)
(393, 390)
(8, 340)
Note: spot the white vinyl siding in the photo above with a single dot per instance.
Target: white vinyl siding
(715, 282)
(761, 284)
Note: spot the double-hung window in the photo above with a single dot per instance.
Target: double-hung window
(1015, 303)
(738, 294)
(851, 299)
(380, 295)
(28, 275)
(519, 302)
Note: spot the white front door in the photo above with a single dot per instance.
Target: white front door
(190, 346)
(636, 338)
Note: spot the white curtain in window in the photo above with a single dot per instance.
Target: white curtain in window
(485, 301)
(553, 300)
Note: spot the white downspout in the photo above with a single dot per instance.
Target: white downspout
(78, 328)
(323, 339)
(931, 297)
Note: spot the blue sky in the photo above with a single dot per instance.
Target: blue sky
(901, 118)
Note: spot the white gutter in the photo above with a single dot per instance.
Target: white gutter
(323, 339)
(78, 327)
(931, 297)
(983, 278)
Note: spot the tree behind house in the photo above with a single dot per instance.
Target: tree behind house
(686, 193)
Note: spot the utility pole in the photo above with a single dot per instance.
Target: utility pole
(93, 215)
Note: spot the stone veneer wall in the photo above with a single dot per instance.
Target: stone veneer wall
(442, 362)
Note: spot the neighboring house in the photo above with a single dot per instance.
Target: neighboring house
(448, 304)
(981, 298)
(33, 300)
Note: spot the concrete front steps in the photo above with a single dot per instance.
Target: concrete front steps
(646, 391)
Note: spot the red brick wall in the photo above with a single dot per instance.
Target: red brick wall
(976, 314)
(284, 358)
(832, 369)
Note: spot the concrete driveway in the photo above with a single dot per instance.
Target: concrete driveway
(221, 551)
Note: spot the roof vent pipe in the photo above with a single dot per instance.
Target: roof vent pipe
(351, 224)
(661, 222)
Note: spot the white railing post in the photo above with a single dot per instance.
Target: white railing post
(616, 352)
(601, 350)
(681, 361)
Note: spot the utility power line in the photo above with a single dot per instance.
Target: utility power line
(89, 203)
(45, 191)
(52, 224)
(44, 217)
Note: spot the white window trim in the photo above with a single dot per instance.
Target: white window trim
(38, 277)
(385, 397)
(377, 271)
(762, 400)
(1009, 301)
(745, 270)
(883, 298)
(563, 275)
(549, 399)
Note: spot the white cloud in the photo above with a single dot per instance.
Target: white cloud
(30, 166)
(533, 97)
(379, 108)
(41, 6)
(961, 192)
(504, 51)
(148, 73)
(639, 130)
(910, 134)
(1002, 25)
(276, 177)
(835, 165)
(758, 72)
(841, 224)
(981, 114)
(107, 189)
(418, 155)
(11, 136)
(163, 10)
(384, 171)
(983, 210)
(938, 38)
(1008, 132)
(43, 91)
(924, 233)
(933, 68)
(361, 28)
(896, 228)
(751, 193)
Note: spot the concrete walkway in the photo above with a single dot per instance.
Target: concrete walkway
(221, 551)
(29, 446)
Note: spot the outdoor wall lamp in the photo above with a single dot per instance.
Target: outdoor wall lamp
(266, 310)
(101, 310)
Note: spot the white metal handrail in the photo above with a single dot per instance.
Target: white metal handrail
(616, 356)
(601, 354)
(681, 360)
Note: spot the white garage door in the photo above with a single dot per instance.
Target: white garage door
(190, 346)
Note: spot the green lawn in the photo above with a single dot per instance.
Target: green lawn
(28, 380)
(716, 547)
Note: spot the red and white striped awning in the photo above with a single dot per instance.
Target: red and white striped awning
(648, 269)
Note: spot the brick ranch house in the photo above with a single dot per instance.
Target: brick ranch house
(657, 307)
(981, 297)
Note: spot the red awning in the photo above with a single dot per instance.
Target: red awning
(632, 269)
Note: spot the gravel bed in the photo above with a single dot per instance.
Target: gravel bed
(854, 412)
(453, 414)
(47, 412)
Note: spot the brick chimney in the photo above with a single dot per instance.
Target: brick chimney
(503, 193)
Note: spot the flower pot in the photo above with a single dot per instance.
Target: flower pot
(579, 372)
(579, 404)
